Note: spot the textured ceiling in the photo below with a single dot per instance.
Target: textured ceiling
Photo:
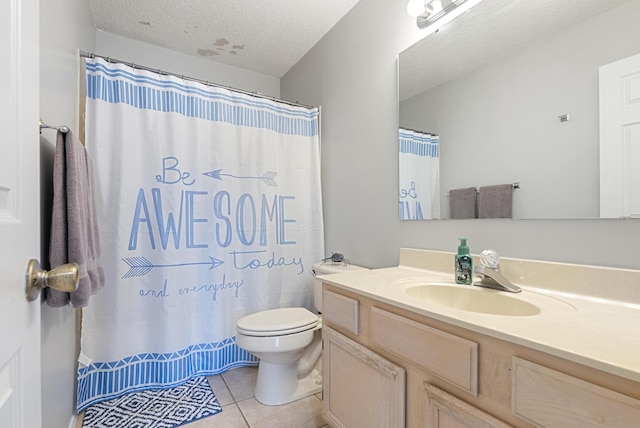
(491, 30)
(267, 36)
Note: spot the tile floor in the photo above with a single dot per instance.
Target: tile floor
(234, 391)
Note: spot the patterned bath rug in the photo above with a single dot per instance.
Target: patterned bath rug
(163, 408)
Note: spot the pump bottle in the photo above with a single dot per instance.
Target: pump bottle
(463, 264)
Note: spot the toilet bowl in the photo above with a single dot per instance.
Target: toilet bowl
(288, 342)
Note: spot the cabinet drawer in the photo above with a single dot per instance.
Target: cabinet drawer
(341, 311)
(548, 398)
(445, 410)
(450, 357)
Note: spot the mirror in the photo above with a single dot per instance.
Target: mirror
(511, 89)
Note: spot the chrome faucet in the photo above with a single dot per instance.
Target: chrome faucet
(489, 273)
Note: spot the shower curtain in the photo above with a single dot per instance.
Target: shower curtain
(209, 207)
(419, 166)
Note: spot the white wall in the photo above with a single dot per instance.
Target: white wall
(499, 124)
(108, 44)
(65, 26)
(351, 72)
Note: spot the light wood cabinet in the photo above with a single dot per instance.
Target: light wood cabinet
(447, 411)
(448, 356)
(453, 377)
(341, 311)
(361, 389)
(546, 397)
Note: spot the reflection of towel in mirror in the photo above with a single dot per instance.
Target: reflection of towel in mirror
(495, 201)
(462, 203)
(74, 227)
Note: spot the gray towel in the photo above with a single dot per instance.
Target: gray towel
(74, 227)
(495, 201)
(462, 203)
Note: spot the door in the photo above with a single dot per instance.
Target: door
(19, 213)
(360, 388)
(620, 138)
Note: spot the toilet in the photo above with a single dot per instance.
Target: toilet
(288, 342)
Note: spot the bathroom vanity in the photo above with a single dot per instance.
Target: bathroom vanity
(406, 346)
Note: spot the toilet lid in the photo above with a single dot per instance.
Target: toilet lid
(277, 322)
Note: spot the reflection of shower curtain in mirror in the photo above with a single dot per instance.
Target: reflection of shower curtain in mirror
(209, 209)
(419, 194)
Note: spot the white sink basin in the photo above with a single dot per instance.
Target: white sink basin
(481, 300)
(473, 299)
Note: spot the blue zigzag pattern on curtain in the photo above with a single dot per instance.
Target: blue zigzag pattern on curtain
(419, 144)
(217, 105)
(106, 380)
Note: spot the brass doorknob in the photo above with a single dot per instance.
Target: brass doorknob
(63, 278)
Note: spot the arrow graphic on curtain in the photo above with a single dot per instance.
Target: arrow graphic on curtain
(267, 177)
(140, 266)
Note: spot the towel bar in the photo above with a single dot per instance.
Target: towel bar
(515, 186)
(64, 129)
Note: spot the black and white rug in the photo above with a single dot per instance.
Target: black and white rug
(165, 408)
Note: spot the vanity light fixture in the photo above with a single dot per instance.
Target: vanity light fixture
(434, 14)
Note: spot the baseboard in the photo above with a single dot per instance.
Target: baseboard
(73, 421)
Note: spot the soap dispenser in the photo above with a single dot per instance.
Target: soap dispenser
(463, 264)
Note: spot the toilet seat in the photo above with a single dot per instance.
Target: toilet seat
(277, 322)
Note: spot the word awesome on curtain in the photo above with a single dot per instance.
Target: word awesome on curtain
(209, 209)
(419, 194)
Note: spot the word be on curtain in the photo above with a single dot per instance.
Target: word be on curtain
(419, 166)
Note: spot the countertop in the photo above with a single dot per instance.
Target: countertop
(597, 332)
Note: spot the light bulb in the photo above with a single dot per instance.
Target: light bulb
(433, 26)
(415, 8)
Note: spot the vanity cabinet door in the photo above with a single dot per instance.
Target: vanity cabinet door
(446, 411)
(361, 389)
(548, 398)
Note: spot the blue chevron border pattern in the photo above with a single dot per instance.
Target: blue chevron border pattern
(102, 381)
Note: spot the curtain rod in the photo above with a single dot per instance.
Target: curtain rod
(84, 54)
(418, 131)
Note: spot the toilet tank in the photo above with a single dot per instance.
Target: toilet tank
(327, 269)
